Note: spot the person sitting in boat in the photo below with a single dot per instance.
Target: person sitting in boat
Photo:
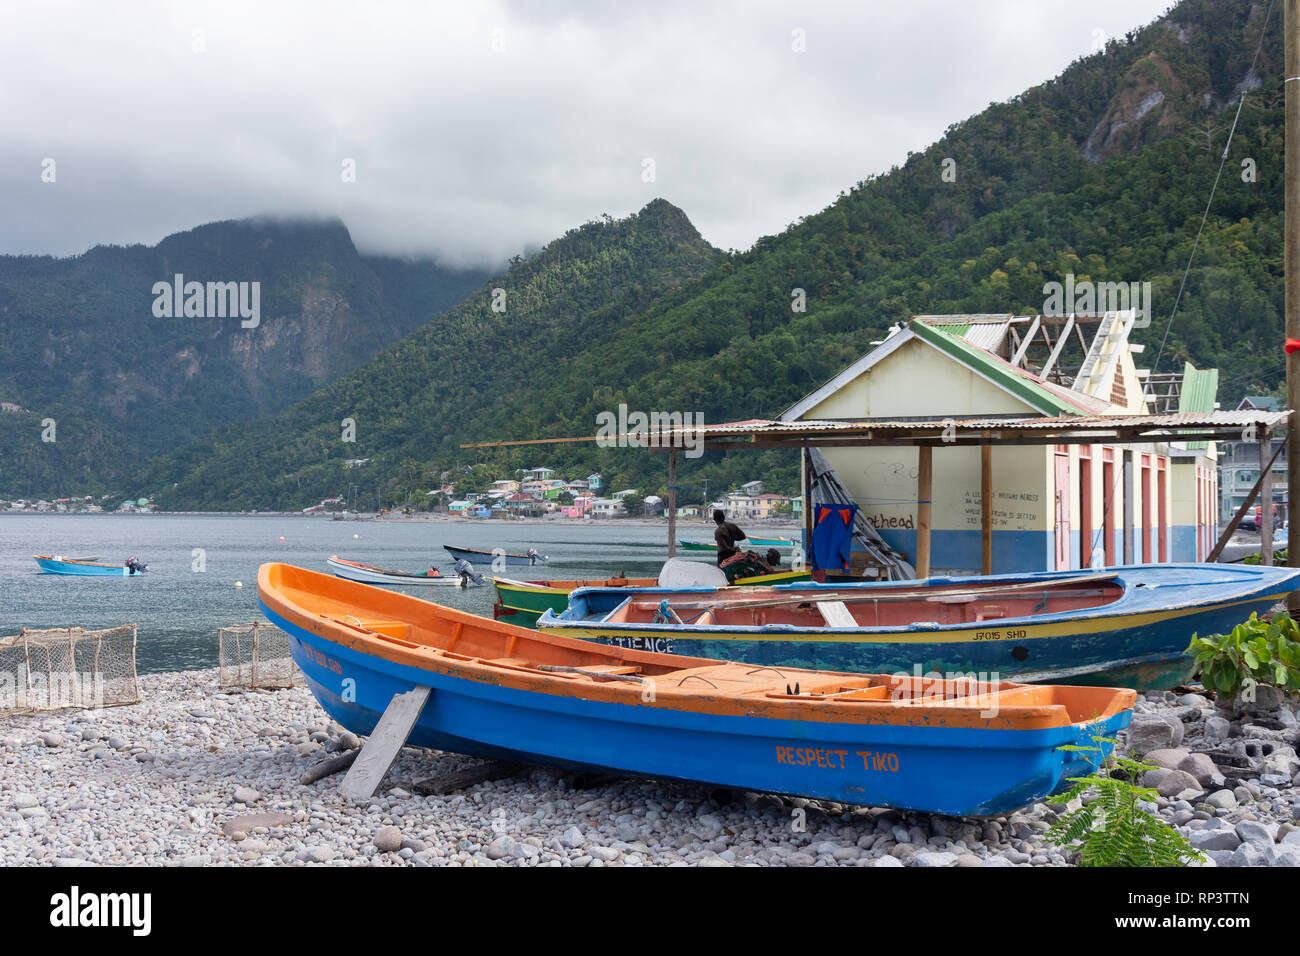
(726, 535)
(533, 555)
(433, 573)
(134, 566)
(749, 564)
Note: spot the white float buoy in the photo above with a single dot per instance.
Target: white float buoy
(239, 584)
(356, 536)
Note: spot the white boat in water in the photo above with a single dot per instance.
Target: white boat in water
(369, 574)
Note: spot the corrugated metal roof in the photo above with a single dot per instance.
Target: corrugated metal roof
(986, 336)
(1067, 423)
(1198, 393)
(1069, 429)
(1199, 389)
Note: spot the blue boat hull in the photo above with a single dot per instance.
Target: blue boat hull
(957, 771)
(73, 569)
(1138, 642)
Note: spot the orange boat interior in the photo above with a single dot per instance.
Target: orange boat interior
(884, 607)
(616, 582)
(419, 633)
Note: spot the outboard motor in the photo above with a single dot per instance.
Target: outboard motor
(135, 566)
(467, 573)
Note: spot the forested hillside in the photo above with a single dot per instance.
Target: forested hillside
(476, 370)
(80, 343)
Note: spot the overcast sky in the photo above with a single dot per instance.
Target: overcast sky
(479, 130)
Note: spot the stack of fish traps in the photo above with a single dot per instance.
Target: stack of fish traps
(67, 667)
(255, 656)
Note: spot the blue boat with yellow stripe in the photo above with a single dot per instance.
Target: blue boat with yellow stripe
(1126, 626)
(960, 747)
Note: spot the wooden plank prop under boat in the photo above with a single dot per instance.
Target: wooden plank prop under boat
(504, 692)
(522, 602)
(1127, 627)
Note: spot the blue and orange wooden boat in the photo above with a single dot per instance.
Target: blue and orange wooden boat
(499, 691)
(85, 567)
(1128, 626)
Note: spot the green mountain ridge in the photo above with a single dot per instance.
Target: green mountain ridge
(475, 363)
(80, 342)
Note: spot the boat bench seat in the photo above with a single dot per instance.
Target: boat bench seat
(398, 629)
(836, 614)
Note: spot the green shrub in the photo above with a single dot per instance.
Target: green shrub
(1279, 558)
(1111, 828)
(1254, 652)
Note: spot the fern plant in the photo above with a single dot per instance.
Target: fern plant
(1111, 828)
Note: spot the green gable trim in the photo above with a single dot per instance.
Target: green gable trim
(989, 366)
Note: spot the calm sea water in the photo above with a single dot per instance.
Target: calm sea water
(179, 609)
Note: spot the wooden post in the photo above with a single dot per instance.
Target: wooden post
(1266, 498)
(986, 509)
(1291, 260)
(1128, 505)
(923, 481)
(807, 508)
(672, 502)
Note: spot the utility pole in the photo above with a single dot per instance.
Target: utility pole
(1291, 33)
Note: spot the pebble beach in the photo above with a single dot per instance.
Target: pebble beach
(198, 776)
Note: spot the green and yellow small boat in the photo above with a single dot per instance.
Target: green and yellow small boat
(523, 602)
(750, 543)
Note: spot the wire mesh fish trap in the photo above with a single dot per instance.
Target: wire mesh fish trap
(67, 667)
(255, 655)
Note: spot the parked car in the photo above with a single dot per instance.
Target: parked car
(1254, 517)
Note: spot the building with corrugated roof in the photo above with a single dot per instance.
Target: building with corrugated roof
(1054, 506)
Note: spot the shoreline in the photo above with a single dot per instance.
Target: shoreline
(695, 523)
(196, 776)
